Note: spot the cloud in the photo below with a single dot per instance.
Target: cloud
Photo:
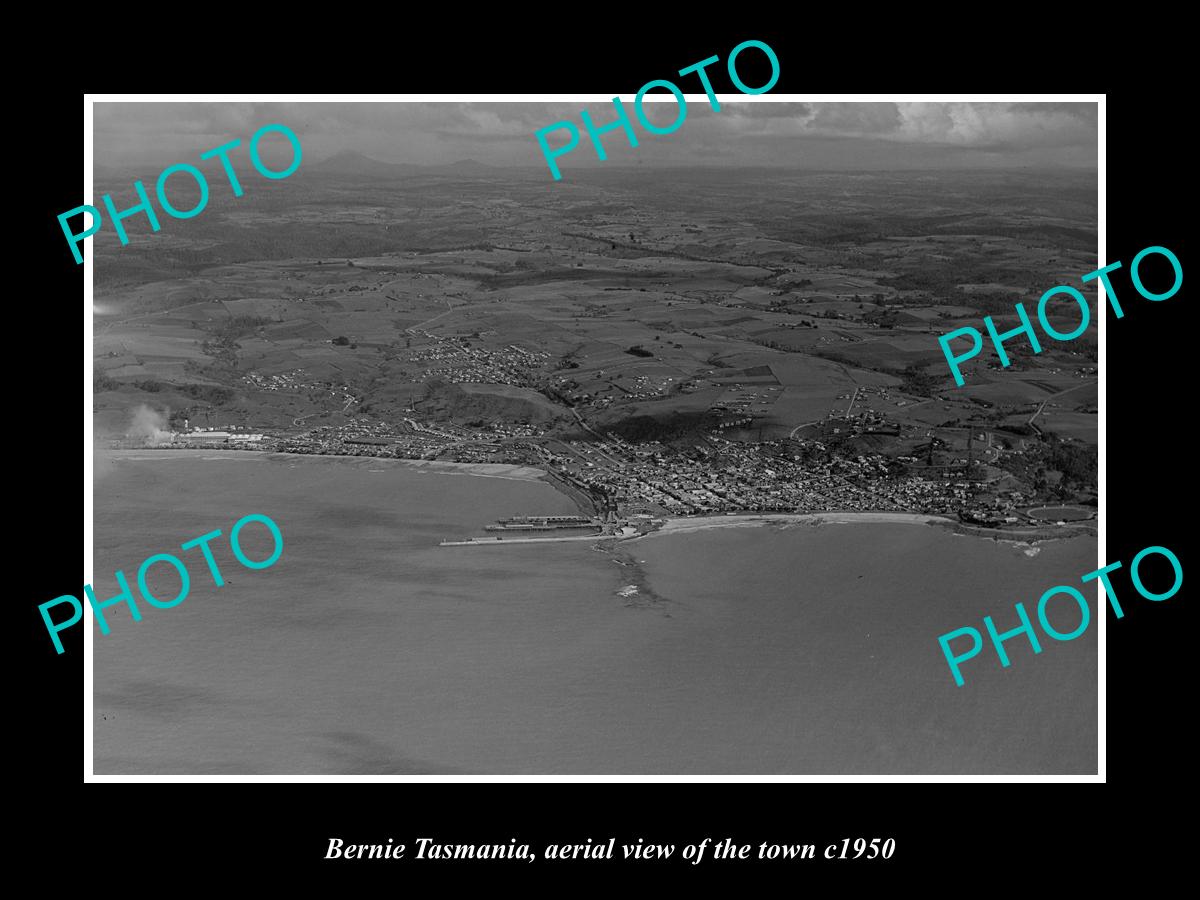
(992, 126)
(760, 133)
(997, 125)
(855, 118)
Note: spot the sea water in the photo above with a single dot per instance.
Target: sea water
(369, 649)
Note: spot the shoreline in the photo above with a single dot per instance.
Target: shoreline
(1030, 537)
(688, 525)
(511, 471)
(1021, 538)
(704, 523)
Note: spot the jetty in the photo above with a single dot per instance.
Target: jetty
(545, 523)
(546, 529)
(502, 542)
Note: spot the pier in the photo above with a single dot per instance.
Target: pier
(503, 542)
(564, 528)
(525, 524)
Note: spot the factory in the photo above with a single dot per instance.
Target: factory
(212, 436)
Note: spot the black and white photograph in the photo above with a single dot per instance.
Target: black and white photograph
(658, 467)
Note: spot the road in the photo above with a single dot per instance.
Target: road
(569, 449)
(1042, 405)
(595, 433)
(850, 405)
(150, 315)
(792, 434)
(421, 325)
(849, 409)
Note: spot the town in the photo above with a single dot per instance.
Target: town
(621, 481)
(654, 361)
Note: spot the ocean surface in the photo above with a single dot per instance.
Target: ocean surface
(369, 649)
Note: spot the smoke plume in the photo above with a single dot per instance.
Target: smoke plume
(149, 425)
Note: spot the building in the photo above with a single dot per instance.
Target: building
(206, 437)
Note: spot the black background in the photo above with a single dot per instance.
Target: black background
(280, 831)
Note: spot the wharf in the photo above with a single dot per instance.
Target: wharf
(500, 542)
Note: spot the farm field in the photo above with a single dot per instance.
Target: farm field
(497, 299)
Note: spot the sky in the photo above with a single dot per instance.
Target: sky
(742, 133)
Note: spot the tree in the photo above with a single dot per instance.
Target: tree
(915, 380)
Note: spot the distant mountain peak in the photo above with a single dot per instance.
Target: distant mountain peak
(352, 162)
(351, 156)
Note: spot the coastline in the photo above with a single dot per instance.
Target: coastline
(695, 665)
(704, 523)
(1025, 537)
(692, 524)
(482, 470)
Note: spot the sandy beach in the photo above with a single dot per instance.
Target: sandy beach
(486, 470)
(704, 523)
